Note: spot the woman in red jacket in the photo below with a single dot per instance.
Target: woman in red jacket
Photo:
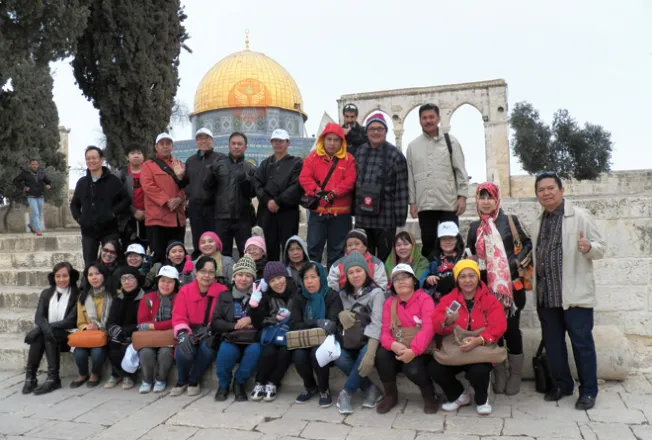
(155, 313)
(478, 308)
(191, 316)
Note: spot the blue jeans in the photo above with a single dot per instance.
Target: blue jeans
(331, 228)
(191, 368)
(36, 208)
(348, 363)
(228, 355)
(97, 356)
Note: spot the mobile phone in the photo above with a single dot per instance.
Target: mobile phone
(453, 308)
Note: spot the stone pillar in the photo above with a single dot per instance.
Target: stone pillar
(64, 211)
(398, 132)
(497, 155)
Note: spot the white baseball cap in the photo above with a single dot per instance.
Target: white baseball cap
(402, 267)
(130, 360)
(162, 136)
(205, 131)
(168, 272)
(135, 248)
(279, 133)
(447, 229)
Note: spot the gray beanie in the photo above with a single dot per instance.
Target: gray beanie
(355, 258)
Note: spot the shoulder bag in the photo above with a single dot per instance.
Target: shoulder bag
(450, 151)
(88, 339)
(450, 353)
(369, 195)
(163, 166)
(153, 339)
(243, 336)
(354, 338)
(312, 202)
(525, 267)
(275, 334)
(405, 335)
(542, 379)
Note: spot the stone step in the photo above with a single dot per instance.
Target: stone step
(19, 297)
(16, 320)
(40, 259)
(56, 241)
(25, 277)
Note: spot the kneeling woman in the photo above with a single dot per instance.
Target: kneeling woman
(191, 316)
(408, 309)
(478, 309)
(56, 312)
(316, 306)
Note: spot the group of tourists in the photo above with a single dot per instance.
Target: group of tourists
(380, 303)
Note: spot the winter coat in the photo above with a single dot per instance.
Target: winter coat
(35, 181)
(224, 316)
(184, 278)
(265, 314)
(441, 267)
(159, 187)
(231, 186)
(148, 309)
(299, 322)
(278, 180)
(124, 312)
(419, 307)
(337, 276)
(96, 206)
(371, 296)
(196, 176)
(357, 136)
(42, 309)
(190, 307)
(292, 272)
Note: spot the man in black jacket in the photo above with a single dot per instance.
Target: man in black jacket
(279, 194)
(131, 223)
(355, 133)
(201, 205)
(230, 181)
(98, 200)
(34, 182)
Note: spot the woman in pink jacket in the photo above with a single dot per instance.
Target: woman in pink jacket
(191, 316)
(414, 308)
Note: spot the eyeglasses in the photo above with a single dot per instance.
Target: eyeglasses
(206, 273)
(376, 129)
(109, 251)
(124, 278)
(401, 279)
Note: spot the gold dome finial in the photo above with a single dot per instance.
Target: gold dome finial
(247, 39)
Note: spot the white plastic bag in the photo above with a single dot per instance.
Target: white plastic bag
(130, 361)
(328, 351)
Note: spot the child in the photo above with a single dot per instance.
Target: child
(438, 279)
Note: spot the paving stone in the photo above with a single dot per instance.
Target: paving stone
(314, 413)
(285, 427)
(642, 432)
(370, 417)
(13, 425)
(498, 410)
(169, 432)
(480, 426)
(207, 419)
(367, 433)
(231, 434)
(68, 410)
(429, 436)
(66, 430)
(325, 431)
(564, 411)
(111, 412)
(628, 416)
(606, 431)
(275, 437)
(433, 423)
(637, 384)
(541, 428)
(272, 410)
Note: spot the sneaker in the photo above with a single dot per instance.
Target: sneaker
(306, 396)
(372, 397)
(128, 383)
(194, 390)
(31, 228)
(463, 400)
(145, 388)
(344, 403)
(270, 392)
(159, 386)
(258, 392)
(112, 382)
(39, 233)
(325, 399)
(178, 390)
(484, 410)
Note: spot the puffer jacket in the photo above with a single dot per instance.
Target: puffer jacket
(337, 276)
(231, 185)
(197, 172)
(278, 180)
(374, 298)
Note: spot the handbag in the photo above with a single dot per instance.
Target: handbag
(275, 334)
(243, 336)
(404, 335)
(542, 380)
(308, 338)
(450, 353)
(525, 267)
(354, 337)
(368, 196)
(88, 339)
(153, 339)
(312, 202)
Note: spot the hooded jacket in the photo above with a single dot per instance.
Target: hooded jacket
(418, 262)
(342, 181)
(292, 272)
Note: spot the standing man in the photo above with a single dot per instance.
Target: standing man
(566, 241)
(34, 183)
(230, 181)
(438, 182)
(279, 195)
(201, 205)
(381, 188)
(132, 223)
(97, 203)
(165, 200)
(354, 132)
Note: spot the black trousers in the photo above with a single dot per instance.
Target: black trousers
(160, 236)
(116, 352)
(278, 228)
(134, 232)
(273, 364)
(429, 222)
(513, 337)
(201, 220)
(229, 230)
(306, 363)
(476, 374)
(380, 241)
(91, 245)
(37, 349)
(417, 370)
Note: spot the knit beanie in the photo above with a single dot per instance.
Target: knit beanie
(465, 264)
(246, 264)
(274, 269)
(360, 234)
(355, 258)
(216, 239)
(257, 241)
(377, 117)
(173, 244)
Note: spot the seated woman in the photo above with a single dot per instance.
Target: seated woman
(295, 255)
(255, 247)
(211, 246)
(414, 308)
(231, 315)
(136, 257)
(92, 314)
(356, 241)
(191, 316)
(155, 313)
(438, 279)
(406, 251)
(272, 308)
(491, 242)
(315, 306)
(56, 313)
(359, 293)
(177, 257)
(478, 309)
(122, 322)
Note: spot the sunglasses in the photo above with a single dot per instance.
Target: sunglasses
(350, 107)
(547, 174)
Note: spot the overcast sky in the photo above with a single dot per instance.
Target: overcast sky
(592, 57)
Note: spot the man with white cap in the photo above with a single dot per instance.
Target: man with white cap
(165, 199)
(279, 194)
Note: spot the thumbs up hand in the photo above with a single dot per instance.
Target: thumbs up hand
(583, 245)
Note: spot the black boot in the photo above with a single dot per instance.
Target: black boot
(53, 382)
(30, 380)
(240, 392)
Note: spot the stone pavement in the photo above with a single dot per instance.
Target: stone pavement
(623, 412)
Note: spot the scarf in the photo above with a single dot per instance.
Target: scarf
(58, 304)
(315, 304)
(417, 262)
(491, 250)
(164, 312)
(91, 310)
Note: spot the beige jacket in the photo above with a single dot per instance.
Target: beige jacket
(431, 184)
(578, 284)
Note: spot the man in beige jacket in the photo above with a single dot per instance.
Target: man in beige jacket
(566, 240)
(438, 183)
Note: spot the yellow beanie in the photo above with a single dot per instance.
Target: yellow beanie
(465, 264)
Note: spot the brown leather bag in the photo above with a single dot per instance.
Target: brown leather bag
(405, 335)
(450, 353)
(88, 339)
(153, 339)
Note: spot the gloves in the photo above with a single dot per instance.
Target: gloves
(347, 319)
(143, 327)
(369, 359)
(200, 334)
(31, 336)
(185, 344)
(256, 296)
(188, 266)
(329, 197)
(283, 314)
(47, 331)
(329, 326)
(116, 334)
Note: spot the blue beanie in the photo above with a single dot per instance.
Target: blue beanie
(274, 269)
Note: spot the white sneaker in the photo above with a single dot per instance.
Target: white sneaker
(484, 410)
(258, 392)
(270, 392)
(463, 400)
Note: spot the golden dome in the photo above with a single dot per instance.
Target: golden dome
(248, 79)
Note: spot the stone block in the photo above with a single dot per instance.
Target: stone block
(16, 320)
(231, 434)
(325, 431)
(16, 425)
(283, 426)
(32, 278)
(66, 430)
(622, 272)
(541, 428)
(170, 432)
(621, 298)
(19, 297)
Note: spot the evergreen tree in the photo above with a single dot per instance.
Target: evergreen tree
(127, 66)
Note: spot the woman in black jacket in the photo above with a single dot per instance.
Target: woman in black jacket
(315, 306)
(55, 314)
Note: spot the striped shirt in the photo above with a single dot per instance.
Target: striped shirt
(550, 259)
